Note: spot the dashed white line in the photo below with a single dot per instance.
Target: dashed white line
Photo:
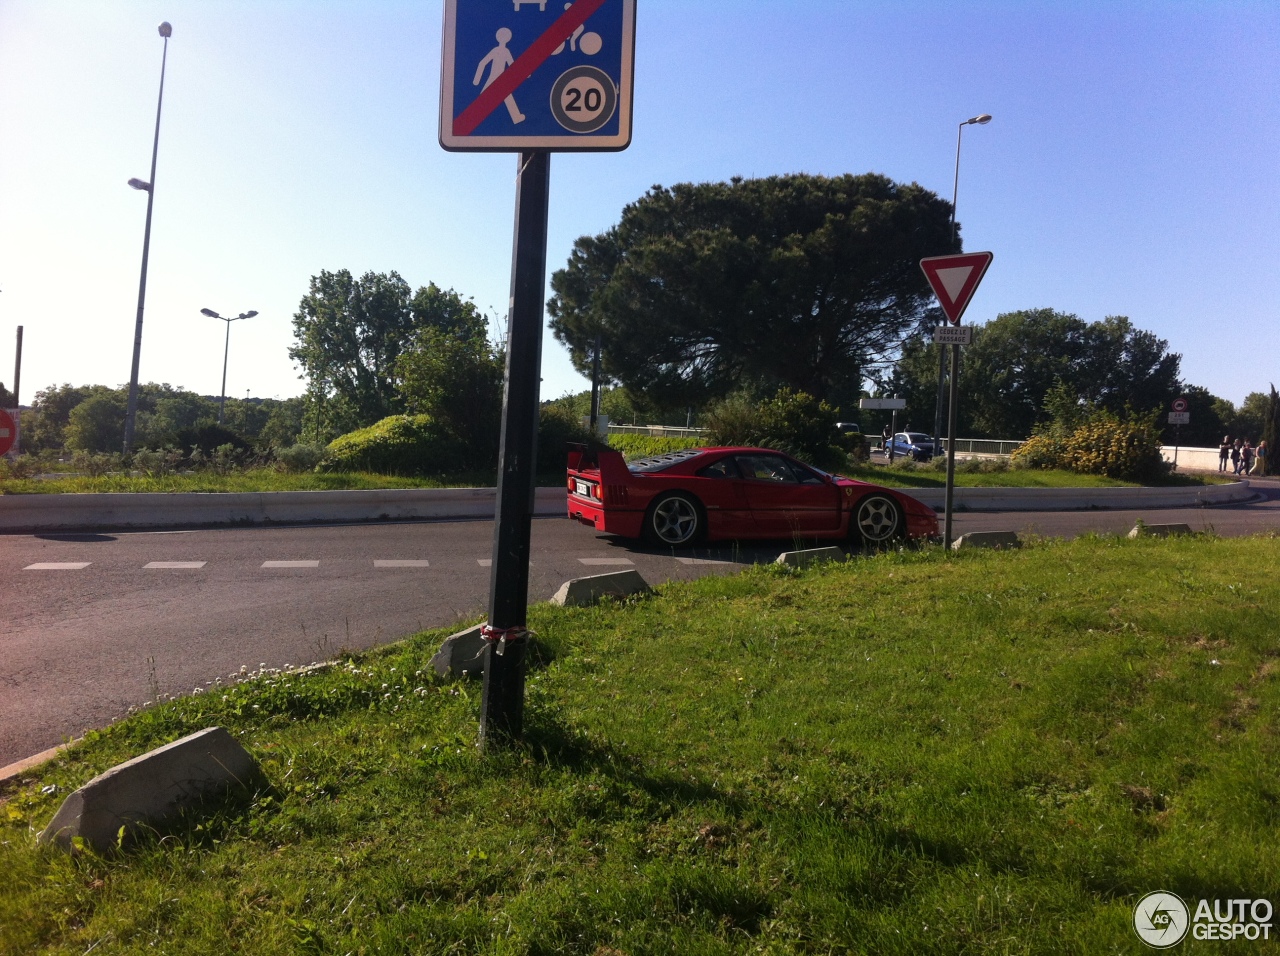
(485, 562)
(594, 562)
(291, 564)
(701, 561)
(401, 564)
(58, 566)
(175, 565)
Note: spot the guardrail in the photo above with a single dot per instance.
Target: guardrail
(983, 446)
(660, 431)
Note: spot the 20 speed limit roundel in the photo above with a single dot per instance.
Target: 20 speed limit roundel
(583, 99)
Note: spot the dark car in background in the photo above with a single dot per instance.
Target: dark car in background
(915, 445)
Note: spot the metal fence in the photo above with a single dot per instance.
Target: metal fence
(964, 446)
(661, 431)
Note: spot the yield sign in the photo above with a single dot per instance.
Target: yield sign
(954, 279)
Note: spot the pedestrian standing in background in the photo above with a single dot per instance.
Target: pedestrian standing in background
(1235, 457)
(1261, 464)
(1246, 458)
(1224, 452)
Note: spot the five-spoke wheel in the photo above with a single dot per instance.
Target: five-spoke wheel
(673, 520)
(878, 519)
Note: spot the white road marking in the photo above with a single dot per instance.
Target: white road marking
(701, 561)
(58, 566)
(593, 562)
(291, 564)
(401, 564)
(485, 562)
(175, 565)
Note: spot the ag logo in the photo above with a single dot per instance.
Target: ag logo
(1160, 920)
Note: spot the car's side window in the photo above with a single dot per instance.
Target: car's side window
(805, 476)
(766, 468)
(724, 468)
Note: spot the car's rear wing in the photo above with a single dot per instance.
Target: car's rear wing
(609, 462)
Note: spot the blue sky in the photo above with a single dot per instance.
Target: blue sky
(1131, 167)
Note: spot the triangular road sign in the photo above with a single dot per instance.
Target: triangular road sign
(954, 279)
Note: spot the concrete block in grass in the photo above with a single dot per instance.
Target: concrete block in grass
(461, 654)
(581, 592)
(153, 788)
(986, 539)
(1158, 530)
(802, 559)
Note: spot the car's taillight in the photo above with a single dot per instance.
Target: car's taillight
(597, 492)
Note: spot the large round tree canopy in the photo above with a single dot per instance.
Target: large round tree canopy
(797, 281)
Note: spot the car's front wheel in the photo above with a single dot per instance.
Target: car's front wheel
(674, 520)
(877, 520)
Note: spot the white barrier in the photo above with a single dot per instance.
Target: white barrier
(24, 513)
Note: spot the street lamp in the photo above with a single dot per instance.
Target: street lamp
(226, 351)
(148, 187)
(980, 120)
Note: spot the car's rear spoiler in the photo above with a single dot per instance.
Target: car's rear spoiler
(609, 462)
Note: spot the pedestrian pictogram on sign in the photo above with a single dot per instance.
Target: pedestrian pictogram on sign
(8, 431)
(537, 74)
(954, 279)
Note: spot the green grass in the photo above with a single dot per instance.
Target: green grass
(910, 475)
(909, 753)
(252, 480)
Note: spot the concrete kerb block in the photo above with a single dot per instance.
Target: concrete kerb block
(462, 654)
(1158, 530)
(581, 592)
(151, 789)
(986, 539)
(802, 559)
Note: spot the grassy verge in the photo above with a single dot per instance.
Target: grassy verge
(992, 752)
(252, 480)
(911, 475)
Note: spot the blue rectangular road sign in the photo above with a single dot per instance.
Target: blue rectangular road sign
(537, 74)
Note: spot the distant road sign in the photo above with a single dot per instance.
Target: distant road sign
(1180, 405)
(954, 279)
(8, 432)
(892, 404)
(1179, 418)
(953, 334)
(537, 74)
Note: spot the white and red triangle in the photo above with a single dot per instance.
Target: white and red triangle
(954, 279)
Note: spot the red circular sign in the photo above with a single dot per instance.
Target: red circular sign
(1180, 405)
(8, 432)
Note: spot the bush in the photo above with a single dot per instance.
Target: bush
(300, 457)
(644, 446)
(793, 422)
(398, 445)
(208, 438)
(557, 426)
(1125, 448)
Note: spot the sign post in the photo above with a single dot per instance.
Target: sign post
(1178, 417)
(529, 77)
(954, 279)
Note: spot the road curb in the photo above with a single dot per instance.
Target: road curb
(29, 514)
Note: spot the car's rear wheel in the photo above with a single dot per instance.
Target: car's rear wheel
(674, 520)
(877, 520)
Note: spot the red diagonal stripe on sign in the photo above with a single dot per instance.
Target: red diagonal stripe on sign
(466, 122)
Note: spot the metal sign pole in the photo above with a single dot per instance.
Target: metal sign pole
(502, 702)
(951, 440)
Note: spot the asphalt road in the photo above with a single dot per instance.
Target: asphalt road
(93, 624)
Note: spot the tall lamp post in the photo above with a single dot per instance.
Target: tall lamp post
(148, 187)
(226, 351)
(981, 120)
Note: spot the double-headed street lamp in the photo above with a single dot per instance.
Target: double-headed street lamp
(981, 120)
(148, 187)
(226, 351)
